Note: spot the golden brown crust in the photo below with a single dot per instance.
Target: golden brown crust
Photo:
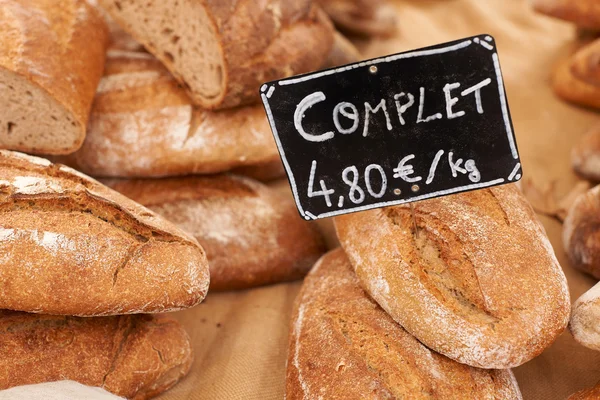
(362, 17)
(69, 73)
(585, 155)
(136, 357)
(257, 42)
(584, 13)
(587, 394)
(140, 109)
(71, 246)
(581, 233)
(479, 283)
(585, 318)
(344, 346)
(252, 235)
(577, 79)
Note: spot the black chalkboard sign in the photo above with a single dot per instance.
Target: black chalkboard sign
(395, 129)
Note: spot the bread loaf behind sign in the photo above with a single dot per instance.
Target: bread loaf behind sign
(71, 246)
(222, 51)
(478, 283)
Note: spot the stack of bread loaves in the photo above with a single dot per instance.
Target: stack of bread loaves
(439, 304)
(142, 94)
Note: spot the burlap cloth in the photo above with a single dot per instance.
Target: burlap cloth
(240, 339)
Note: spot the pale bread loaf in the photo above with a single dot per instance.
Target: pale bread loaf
(344, 346)
(51, 59)
(136, 357)
(362, 17)
(252, 235)
(71, 246)
(581, 232)
(584, 13)
(585, 155)
(144, 125)
(585, 318)
(221, 51)
(479, 283)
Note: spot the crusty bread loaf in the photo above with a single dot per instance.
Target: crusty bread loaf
(362, 17)
(344, 346)
(252, 235)
(581, 232)
(51, 59)
(479, 281)
(584, 13)
(577, 79)
(585, 155)
(136, 357)
(222, 51)
(71, 246)
(141, 110)
(585, 318)
(587, 394)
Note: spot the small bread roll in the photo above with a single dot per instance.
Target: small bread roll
(585, 155)
(585, 319)
(362, 17)
(584, 13)
(581, 232)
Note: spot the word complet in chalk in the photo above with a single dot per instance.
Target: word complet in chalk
(395, 129)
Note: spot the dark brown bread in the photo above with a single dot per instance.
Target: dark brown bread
(344, 346)
(221, 51)
(137, 357)
(51, 59)
(479, 281)
(581, 232)
(252, 234)
(140, 109)
(584, 13)
(71, 246)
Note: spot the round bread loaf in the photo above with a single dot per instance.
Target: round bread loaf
(584, 13)
(362, 17)
(478, 282)
(252, 234)
(344, 346)
(71, 246)
(581, 232)
(136, 357)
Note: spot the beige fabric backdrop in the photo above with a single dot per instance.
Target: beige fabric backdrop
(240, 339)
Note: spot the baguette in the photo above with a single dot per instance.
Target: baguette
(479, 281)
(51, 59)
(577, 79)
(136, 357)
(584, 13)
(585, 155)
(222, 51)
(71, 246)
(140, 109)
(581, 232)
(344, 346)
(362, 17)
(252, 235)
(585, 319)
